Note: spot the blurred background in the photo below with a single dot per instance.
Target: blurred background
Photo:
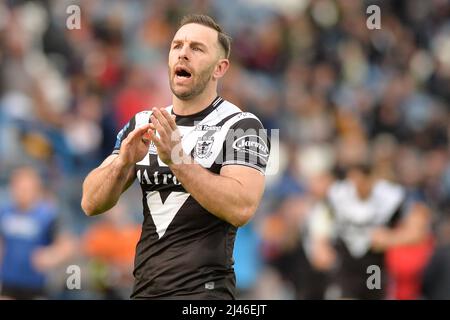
(338, 92)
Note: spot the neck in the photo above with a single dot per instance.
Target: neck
(24, 206)
(194, 105)
(366, 190)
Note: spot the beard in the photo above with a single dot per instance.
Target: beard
(199, 84)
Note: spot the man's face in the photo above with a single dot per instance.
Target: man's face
(25, 187)
(193, 56)
(362, 182)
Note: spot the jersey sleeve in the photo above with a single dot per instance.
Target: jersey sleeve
(123, 133)
(404, 207)
(247, 144)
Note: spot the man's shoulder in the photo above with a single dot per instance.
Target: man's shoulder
(229, 106)
(47, 210)
(143, 113)
(141, 118)
(387, 185)
(388, 189)
(236, 117)
(340, 189)
(6, 208)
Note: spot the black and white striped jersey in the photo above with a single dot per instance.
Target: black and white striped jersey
(356, 218)
(184, 249)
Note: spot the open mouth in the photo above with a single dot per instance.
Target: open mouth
(182, 72)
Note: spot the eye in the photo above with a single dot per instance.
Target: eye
(197, 49)
(176, 46)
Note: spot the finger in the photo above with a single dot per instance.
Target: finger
(156, 140)
(144, 128)
(146, 137)
(170, 119)
(159, 128)
(146, 141)
(140, 130)
(137, 133)
(151, 129)
(162, 120)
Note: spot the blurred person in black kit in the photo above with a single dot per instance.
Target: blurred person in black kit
(366, 216)
(200, 163)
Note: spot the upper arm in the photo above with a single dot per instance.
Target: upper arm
(251, 180)
(247, 144)
(246, 151)
(415, 226)
(417, 218)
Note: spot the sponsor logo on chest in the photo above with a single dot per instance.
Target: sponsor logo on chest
(205, 127)
(156, 178)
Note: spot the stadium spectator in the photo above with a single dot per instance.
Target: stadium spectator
(32, 242)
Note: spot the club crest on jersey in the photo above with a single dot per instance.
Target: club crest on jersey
(204, 146)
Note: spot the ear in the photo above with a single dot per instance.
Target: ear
(221, 68)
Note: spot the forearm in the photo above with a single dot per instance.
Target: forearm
(404, 236)
(104, 185)
(224, 197)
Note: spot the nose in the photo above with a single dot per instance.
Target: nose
(183, 53)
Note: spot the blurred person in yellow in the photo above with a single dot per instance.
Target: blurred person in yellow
(31, 239)
(366, 217)
(200, 163)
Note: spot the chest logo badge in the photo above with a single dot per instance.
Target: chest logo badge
(204, 146)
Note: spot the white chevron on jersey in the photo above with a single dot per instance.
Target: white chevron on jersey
(163, 213)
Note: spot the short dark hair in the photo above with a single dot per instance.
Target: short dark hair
(204, 20)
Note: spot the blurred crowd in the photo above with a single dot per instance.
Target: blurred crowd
(338, 93)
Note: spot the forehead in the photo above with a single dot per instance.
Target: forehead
(25, 176)
(198, 33)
